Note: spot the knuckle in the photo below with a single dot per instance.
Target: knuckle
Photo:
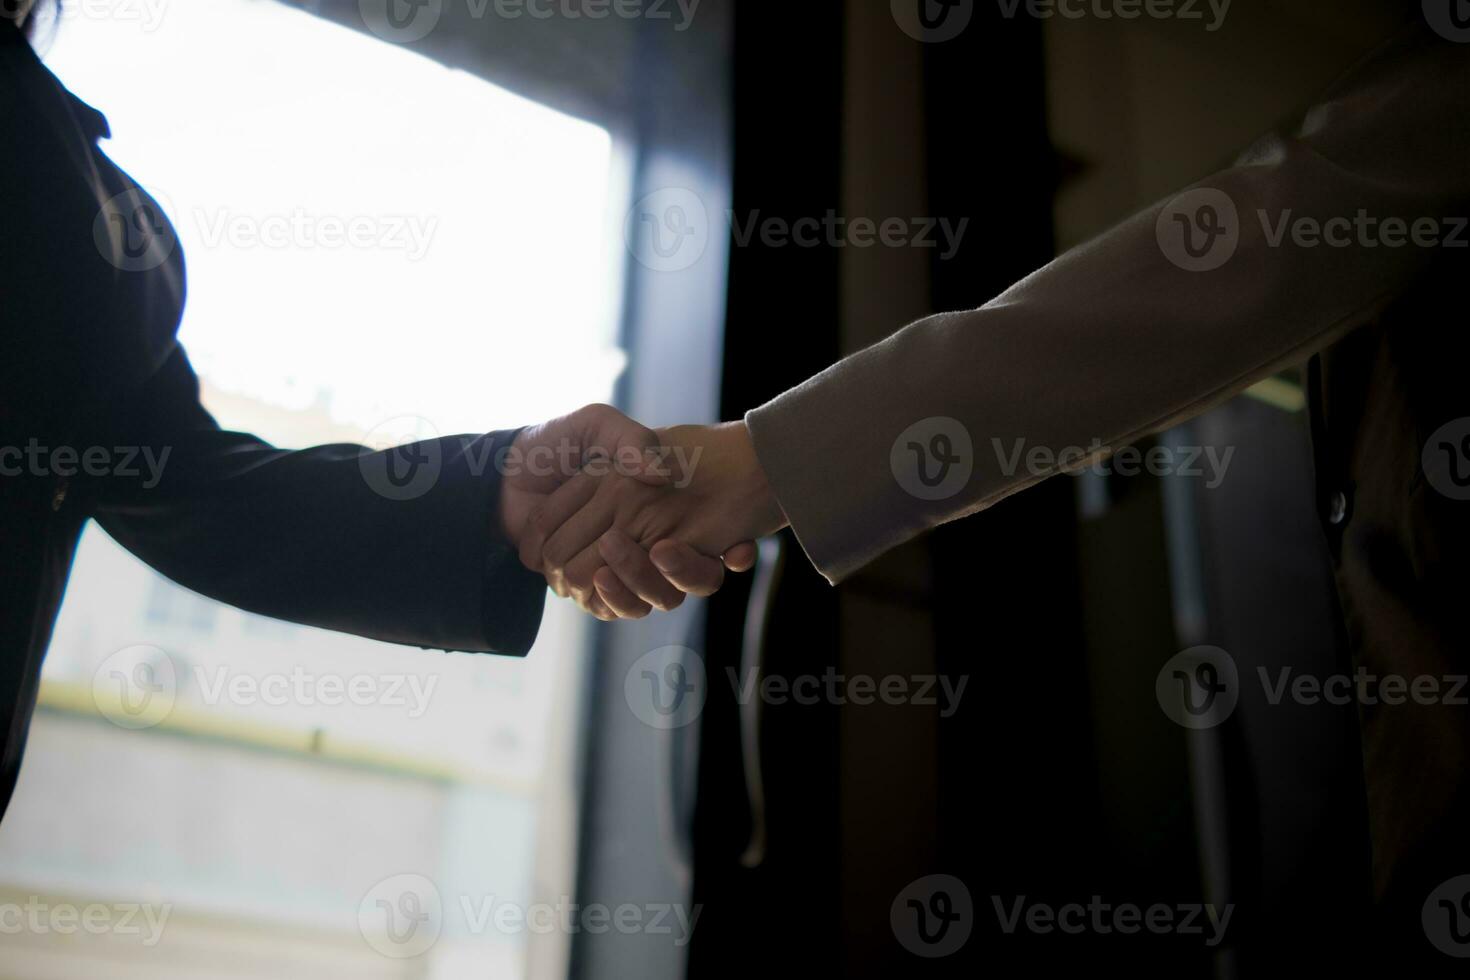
(554, 556)
(610, 546)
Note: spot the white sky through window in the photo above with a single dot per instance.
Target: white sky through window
(478, 293)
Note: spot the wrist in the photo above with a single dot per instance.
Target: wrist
(749, 487)
(513, 507)
(511, 515)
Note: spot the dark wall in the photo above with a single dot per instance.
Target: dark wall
(782, 327)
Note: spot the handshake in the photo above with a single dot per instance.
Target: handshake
(634, 519)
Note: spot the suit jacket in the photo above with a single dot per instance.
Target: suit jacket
(91, 291)
(1177, 309)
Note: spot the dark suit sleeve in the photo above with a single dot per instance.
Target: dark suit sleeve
(320, 536)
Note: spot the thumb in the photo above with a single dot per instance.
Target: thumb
(741, 558)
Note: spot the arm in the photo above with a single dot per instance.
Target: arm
(324, 537)
(1114, 340)
(1120, 338)
(314, 537)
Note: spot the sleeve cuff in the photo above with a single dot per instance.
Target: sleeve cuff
(787, 458)
(514, 596)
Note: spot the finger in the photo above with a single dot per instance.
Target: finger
(599, 608)
(587, 521)
(578, 574)
(741, 558)
(609, 436)
(548, 518)
(618, 596)
(592, 604)
(687, 569)
(630, 565)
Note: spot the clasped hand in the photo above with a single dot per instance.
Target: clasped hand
(646, 518)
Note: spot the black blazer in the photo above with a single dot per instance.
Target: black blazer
(91, 291)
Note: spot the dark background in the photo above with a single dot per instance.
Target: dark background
(1058, 778)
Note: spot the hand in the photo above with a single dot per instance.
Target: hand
(544, 457)
(594, 535)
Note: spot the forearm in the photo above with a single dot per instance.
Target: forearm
(321, 536)
(307, 537)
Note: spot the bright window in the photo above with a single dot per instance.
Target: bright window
(373, 242)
